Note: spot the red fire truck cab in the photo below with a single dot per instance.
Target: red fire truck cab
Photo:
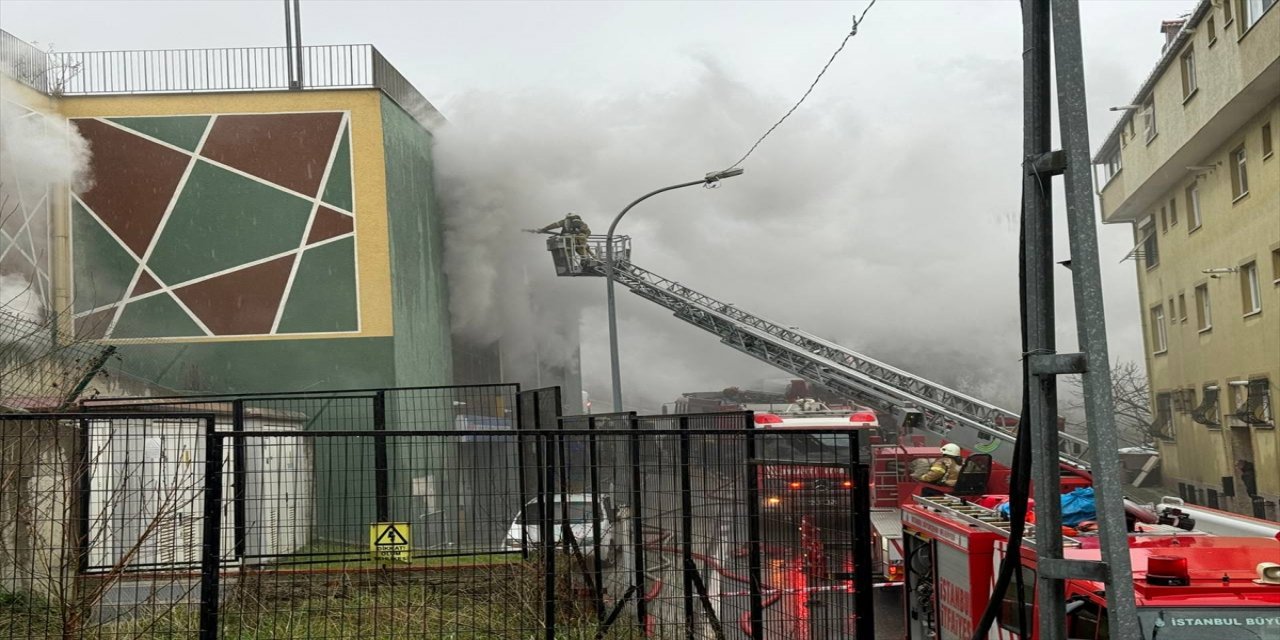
(1189, 585)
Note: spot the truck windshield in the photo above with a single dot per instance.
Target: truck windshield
(806, 447)
(1219, 623)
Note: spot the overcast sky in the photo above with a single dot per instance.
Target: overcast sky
(882, 214)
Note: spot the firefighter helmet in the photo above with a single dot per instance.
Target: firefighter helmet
(951, 449)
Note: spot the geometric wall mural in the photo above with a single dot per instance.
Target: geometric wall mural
(216, 225)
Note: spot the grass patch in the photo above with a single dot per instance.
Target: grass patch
(473, 601)
(350, 557)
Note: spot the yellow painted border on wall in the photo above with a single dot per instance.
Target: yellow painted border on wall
(373, 249)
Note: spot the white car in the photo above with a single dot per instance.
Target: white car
(580, 512)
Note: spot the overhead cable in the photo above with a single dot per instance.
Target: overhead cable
(857, 21)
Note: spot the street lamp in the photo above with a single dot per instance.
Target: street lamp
(714, 176)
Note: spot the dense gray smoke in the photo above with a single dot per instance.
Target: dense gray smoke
(896, 237)
(39, 152)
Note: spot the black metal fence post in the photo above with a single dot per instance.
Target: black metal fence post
(637, 526)
(520, 478)
(84, 461)
(863, 596)
(211, 551)
(381, 475)
(597, 541)
(239, 479)
(547, 487)
(755, 591)
(686, 529)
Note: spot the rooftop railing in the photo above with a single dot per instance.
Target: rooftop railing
(346, 66)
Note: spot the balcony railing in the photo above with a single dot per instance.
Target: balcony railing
(344, 66)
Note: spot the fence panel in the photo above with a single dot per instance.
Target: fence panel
(477, 512)
(102, 523)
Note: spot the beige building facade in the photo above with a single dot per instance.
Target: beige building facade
(1192, 165)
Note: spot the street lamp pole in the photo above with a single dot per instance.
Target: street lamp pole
(614, 366)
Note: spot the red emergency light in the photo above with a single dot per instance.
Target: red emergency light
(767, 418)
(796, 485)
(863, 416)
(1168, 571)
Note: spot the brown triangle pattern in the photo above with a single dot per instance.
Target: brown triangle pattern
(133, 181)
(289, 149)
(328, 224)
(146, 284)
(242, 302)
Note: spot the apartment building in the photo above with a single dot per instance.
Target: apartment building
(1192, 166)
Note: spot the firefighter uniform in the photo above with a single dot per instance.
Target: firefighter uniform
(944, 471)
(573, 227)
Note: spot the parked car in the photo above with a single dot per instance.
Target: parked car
(580, 511)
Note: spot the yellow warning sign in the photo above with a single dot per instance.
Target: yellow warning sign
(389, 541)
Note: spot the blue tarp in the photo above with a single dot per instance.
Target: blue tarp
(1077, 506)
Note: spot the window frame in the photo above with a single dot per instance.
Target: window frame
(1250, 289)
(1247, 17)
(1182, 307)
(1187, 61)
(1194, 218)
(1275, 266)
(1173, 212)
(1149, 130)
(1239, 160)
(1150, 243)
(1204, 308)
(1159, 331)
(1212, 27)
(1268, 150)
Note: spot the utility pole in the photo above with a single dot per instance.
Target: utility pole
(1051, 31)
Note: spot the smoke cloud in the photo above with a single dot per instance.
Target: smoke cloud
(39, 152)
(846, 226)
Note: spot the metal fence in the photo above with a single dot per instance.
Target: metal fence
(103, 524)
(343, 66)
(459, 512)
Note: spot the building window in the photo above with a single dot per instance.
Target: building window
(1212, 28)
(1251, 11)
(1110, 166)
(1164, 220)
(1149, 118)
(1182, 307)
(1250, 291)
(1275, 266)
(1173, 212)
(1204, 310)
(1193, 207)
(1266, 141)
(1150, 248)
(1226, 13)
(1239, 174)
(1188, 73)
(1159, 334)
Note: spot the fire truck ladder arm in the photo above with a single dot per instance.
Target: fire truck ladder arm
(961, 418)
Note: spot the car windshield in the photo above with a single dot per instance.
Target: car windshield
(1218, 623)
(806, 447)
(579, 512)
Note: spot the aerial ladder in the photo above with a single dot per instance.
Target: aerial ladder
(947, 413)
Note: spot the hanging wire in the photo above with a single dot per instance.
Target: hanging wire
(857, 20)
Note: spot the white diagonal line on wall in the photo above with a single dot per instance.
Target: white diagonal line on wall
(302, 242)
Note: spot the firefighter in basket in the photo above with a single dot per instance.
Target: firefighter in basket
(574, 227)
(945, 470)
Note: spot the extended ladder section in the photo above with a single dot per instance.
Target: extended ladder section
(982, 518)
(960, 418)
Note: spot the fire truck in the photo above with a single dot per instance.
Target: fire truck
(1190, 584)
(807, 487)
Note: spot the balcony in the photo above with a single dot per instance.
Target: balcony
(1238, 77)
